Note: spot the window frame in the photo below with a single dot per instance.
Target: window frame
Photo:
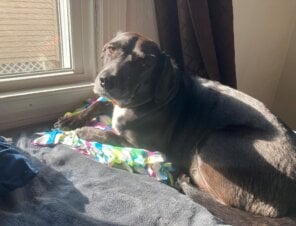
(82, 29)
(42, 97)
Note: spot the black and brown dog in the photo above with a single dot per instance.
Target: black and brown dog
(229, 143)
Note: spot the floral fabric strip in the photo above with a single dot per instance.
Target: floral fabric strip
(133, 160)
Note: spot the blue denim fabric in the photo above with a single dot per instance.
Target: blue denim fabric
(15, 169)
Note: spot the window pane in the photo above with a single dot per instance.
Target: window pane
(34, 36)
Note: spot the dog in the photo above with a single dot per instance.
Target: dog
(231, 146)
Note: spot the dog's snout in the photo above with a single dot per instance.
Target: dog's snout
(106, 82)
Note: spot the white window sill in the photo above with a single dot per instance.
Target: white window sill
(22, 108)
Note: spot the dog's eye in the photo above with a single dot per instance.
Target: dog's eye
(111, 49)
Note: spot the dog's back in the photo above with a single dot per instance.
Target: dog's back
(247, 157)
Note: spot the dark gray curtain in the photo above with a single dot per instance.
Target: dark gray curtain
(198, 34)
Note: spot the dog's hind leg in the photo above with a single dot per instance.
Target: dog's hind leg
(227, 214)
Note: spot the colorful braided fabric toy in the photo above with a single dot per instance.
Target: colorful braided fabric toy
(134, 160)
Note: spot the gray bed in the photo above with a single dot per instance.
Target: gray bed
(72, 189)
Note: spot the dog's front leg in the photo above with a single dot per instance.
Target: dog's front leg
(106, 137)
(79, 119)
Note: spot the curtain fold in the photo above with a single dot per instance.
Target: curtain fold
(198, 34)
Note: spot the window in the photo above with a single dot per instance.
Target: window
(47, 58)
(35, 37)
(46, 43)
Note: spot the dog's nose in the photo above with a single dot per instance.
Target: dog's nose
(106, 82)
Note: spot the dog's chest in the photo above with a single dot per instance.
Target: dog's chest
(119, 115)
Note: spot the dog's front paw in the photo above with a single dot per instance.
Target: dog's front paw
(84, 133)
(90, 134)
(70, 121)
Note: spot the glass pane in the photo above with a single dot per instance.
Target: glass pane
(34, 36)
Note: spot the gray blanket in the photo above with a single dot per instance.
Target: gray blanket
(72, 189)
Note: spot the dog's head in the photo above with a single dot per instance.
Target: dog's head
(135, 71)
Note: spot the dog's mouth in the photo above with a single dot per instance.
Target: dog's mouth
(107, 83)
(119, 93)
(113, 88)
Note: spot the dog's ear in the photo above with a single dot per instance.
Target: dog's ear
(167, 82)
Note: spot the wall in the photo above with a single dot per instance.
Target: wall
(285, 100)
(126, 15)
(262, 35)
(141, 18)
